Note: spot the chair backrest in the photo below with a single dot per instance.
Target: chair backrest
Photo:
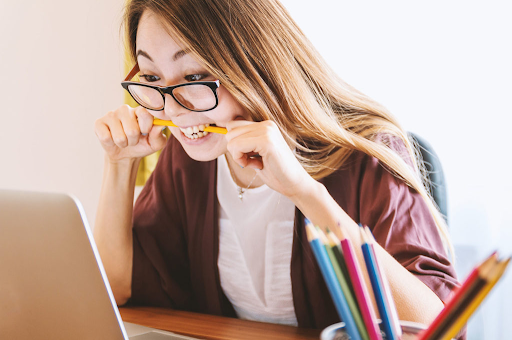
(434, 173)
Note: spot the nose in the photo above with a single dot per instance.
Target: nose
(172, 108)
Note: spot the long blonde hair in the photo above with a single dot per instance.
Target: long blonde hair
(266, 62)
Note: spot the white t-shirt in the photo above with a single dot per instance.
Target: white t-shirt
(255, 248)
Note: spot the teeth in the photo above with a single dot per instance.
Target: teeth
(194, 132)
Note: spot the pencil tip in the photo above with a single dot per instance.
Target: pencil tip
(363, 235)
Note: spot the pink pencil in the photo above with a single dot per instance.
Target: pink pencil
(360, 290)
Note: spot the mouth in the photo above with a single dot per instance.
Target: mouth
(196, 131)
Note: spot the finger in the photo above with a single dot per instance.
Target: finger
(103, 133)
(244, 127)
(117, 132)
(242, 148)
(255, 163)
(156, 137)
(237, 125)
(145, 119)
(131, 127)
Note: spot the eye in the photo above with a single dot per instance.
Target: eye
(149, 78)
(195, 77)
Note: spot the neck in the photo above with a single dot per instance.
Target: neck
(242, 176)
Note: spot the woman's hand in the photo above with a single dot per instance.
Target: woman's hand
(128, 133)
(276, 164)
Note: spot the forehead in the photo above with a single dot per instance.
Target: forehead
(155, 39)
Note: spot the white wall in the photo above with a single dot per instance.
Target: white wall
(60, 70)
(444, 68)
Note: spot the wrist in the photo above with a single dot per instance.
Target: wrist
(122, 171)
(308, 189)
(122, 164)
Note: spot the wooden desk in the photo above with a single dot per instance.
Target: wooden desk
(213, 327)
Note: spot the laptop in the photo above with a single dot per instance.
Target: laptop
(52, 282)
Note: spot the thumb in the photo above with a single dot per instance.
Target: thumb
(157, 138)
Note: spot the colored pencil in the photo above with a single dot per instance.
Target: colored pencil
(387, 290)
(457, 298)
(495, 275)
(331, 281)
(360, 290)
(338, 252)
(378, 289)
(214, 129)
(344, 283)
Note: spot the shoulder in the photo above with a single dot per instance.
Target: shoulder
(359, 167)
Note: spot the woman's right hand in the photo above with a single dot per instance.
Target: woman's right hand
(129, 133)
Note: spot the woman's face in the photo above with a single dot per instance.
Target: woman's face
(163, 62)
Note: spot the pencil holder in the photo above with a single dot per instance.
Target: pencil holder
(337, 331)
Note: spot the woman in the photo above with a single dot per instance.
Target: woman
(219, 227)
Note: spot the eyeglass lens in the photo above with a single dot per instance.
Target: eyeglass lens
(196, 97)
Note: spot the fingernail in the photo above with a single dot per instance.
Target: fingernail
(144, 134)
(241, 166)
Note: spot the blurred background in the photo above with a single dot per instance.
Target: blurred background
(443, 68)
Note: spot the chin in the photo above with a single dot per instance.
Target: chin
(201, 157)
(204, 149)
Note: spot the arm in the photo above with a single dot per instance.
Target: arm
(316, 203)
(113, 227)
(126, 135)
(404, 238)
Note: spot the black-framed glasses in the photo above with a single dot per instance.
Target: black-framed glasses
(196, 96)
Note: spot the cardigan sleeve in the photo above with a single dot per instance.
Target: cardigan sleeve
(161, 271)
(403, 225)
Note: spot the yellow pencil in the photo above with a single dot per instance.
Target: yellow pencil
(495, 275)
(214, 129)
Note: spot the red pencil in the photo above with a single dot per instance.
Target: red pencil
(456, 299)
(360, 289)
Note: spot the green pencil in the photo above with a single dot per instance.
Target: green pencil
(349, 296)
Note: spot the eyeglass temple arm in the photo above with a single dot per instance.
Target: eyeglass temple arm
(133, 72)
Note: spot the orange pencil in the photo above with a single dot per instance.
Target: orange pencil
(214, 129)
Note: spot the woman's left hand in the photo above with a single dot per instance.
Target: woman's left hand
(277, 166)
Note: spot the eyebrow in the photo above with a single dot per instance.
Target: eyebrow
(176, 56)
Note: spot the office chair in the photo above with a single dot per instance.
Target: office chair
(434, 173)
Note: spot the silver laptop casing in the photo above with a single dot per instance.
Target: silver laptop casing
(52, 282)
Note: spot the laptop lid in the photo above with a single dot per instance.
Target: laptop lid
(52, 281)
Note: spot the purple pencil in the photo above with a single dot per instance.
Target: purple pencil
(360, 290)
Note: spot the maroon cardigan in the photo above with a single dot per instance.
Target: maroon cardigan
(176, 236)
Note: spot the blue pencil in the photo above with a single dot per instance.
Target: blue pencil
(387, 290)
(378, 287)
(332, 282)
